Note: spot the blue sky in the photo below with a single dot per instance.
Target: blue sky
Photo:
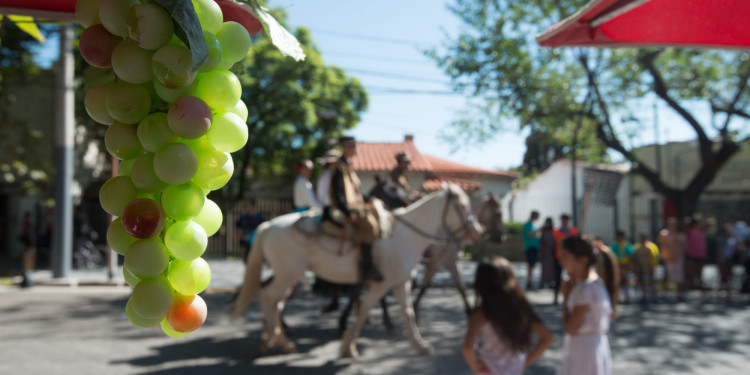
(381, 44)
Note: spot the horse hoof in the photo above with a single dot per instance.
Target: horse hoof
(263, 348)
(426, 350)
(350, 352)
(290, 348)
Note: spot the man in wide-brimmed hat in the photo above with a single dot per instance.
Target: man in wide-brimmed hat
(400, 187)
(347, 199)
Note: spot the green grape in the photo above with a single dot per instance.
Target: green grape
(190, 277)
(209, 14)
(124, 167)
(240, 109)
(152, 298)
(228, 132)
(220, 89)
(112, 14)
(150, 26)
(209, 218)
(215, 168)
(167, 329)
(122, 141)
(172, 66)
(115, 194)
(186, 240)
(131, 63)
(154, 132)
(235, 41)
(87, 12)
(147, 258)
(143, 176)
(183, 202)
(117, 238)
(169, 95)
(95, 105)
(199, 145)
(214, 52)
(130, 279)
(175, 164)
(128, 103)
(138, 320)
(189, 117)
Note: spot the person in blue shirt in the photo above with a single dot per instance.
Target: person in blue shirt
(531, 244)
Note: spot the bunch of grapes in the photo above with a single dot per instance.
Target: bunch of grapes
(172, 127)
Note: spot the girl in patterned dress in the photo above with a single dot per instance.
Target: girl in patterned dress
(498, 338)
(589, 305)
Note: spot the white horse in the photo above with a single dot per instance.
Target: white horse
(290, 253)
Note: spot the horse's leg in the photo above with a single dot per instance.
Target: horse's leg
(271, 301)
(455, 272)
(403, 295)
(387, 317)
(429, 272)
(354, 292)
(348, 343)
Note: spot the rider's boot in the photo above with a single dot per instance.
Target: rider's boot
(369, 271)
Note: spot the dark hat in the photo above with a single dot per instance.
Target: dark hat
(564, 217)
(402, 156)
(347, 140)
(331, 156)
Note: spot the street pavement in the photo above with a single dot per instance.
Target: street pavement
(52, 329)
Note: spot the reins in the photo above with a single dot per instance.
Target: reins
(453, 235)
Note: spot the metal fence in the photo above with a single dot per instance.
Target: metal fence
(226, 242)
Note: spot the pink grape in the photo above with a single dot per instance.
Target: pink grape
(96, 45)
(113, 15)
(150, 26)
(138, 320)
(143, 176)
(189, 277)
(189, 117)
(115, 194)
(152, 298)
(95, 104)
(128, 103)
(187, 316)
(143, 218)
(147, 258)
(117, 238)
(122, 141)
(175, 164)
(183, 202)
(172, 66)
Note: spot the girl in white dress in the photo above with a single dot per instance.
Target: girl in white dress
(502, 324)
(590, 301)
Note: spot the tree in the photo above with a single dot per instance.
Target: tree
(496, 59)
(294, 108)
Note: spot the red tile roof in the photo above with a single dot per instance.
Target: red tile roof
(436, 183)
(381, 156)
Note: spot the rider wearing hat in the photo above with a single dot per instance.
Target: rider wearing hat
(347, 199)
(402, 188)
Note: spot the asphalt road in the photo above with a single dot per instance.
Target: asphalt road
(62, 330)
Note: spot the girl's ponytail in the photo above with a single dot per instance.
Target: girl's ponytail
(610, 273)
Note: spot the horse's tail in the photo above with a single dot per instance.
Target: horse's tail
(251, 283)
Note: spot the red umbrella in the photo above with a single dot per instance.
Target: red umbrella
(653, 23)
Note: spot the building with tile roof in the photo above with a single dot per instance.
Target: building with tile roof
(427, 173)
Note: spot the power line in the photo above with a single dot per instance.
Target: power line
(369, 37)
(394, 75)
(390, 90)
(375, 57)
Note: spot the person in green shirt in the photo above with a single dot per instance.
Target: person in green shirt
(624, 251)
(531, 244)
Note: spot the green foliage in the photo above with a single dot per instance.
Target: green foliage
(513, 228)
(496, 61)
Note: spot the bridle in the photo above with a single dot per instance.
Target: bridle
(454, 236)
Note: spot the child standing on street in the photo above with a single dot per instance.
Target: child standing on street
(590, 302)
(502, 324)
